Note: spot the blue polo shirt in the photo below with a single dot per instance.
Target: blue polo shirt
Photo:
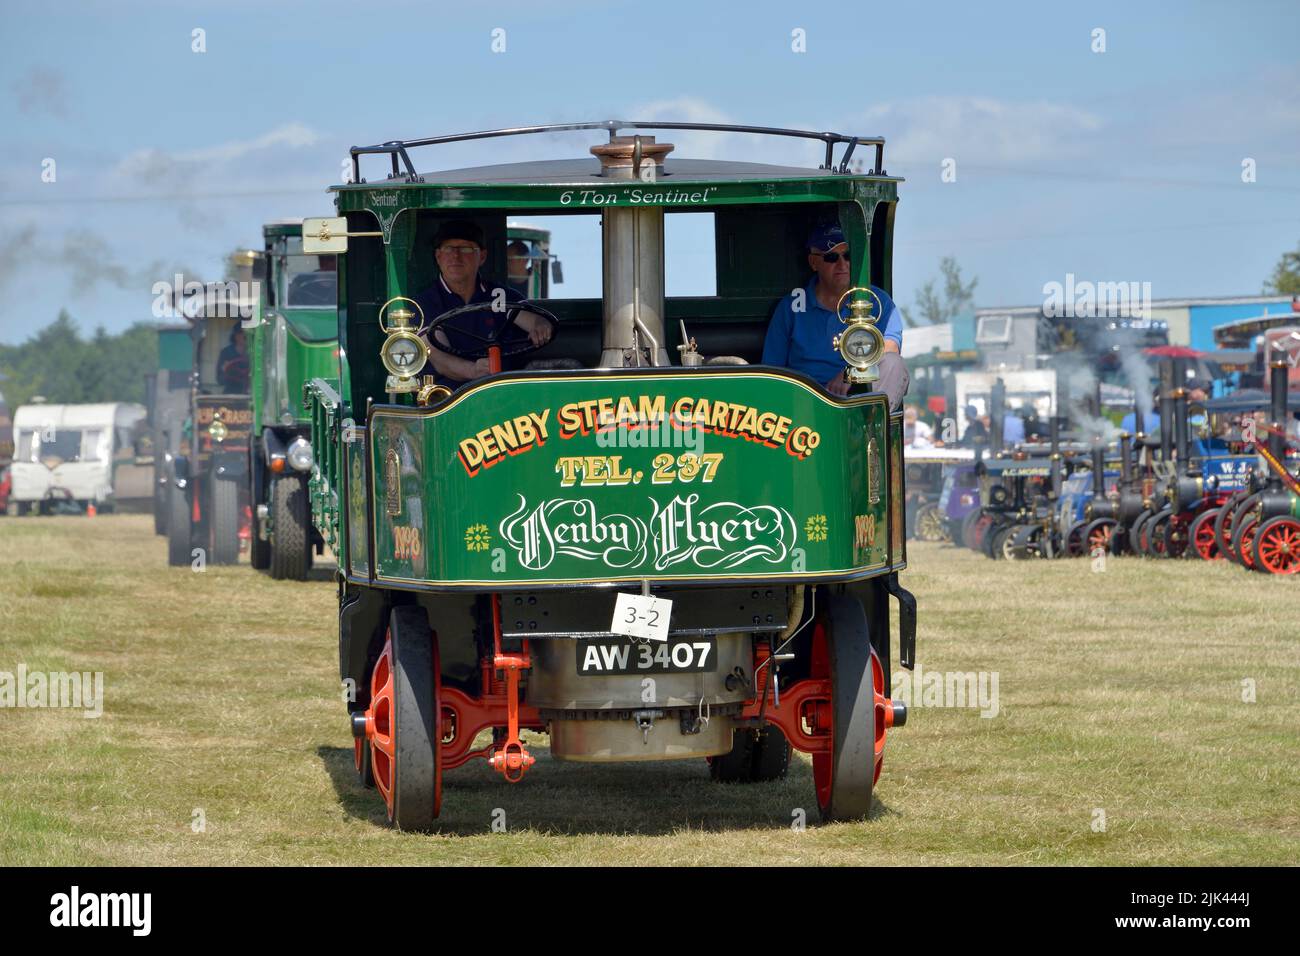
(802, 340)
(439, 298)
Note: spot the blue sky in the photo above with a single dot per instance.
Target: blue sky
(1116, 166)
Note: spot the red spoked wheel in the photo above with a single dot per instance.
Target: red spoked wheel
(854, 717)
(1098, 534)
(1200, 537)
(1276, 547)
(405, 696)
(1243, 537)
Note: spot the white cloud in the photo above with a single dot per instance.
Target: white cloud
(976, 129)
(158, 167)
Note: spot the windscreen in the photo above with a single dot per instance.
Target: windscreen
(309, 281)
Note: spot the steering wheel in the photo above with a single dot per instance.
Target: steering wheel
(494, 340)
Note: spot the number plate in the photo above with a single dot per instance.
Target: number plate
(617, 655)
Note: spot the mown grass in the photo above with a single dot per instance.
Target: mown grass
(1120, 692)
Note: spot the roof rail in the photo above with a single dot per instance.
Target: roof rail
(397, 149)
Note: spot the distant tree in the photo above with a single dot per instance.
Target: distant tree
(1286, 275)
(958, 296)
(59, 364)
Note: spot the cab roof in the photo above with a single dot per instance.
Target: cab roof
(586, 170)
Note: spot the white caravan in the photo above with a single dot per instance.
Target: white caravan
(77, 454)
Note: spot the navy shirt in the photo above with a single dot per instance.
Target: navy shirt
(439, 298)
(802, 340)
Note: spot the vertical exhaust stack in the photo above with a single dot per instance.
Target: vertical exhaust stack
(1098, 468)
(1166, 410)
(1125, 450)
(1182, 434)
(997, 412)
(632, 328)
(1277, 406)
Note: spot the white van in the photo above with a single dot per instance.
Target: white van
(77, 454)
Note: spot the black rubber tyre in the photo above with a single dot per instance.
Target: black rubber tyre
(259, 548)
(416, 776)
(160, 503)
(290, 529)
(967, 523)
(361, 761)
(995, 542)
(223, 522)
(853, 704)
(772, 756)
(178, 527)
(735, 765)
(755, 757)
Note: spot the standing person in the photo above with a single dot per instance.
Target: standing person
(801, 339)
(460, 252)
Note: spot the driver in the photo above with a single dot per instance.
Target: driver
(460, 252)
(804, 323)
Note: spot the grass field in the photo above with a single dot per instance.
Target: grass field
(1120, 693)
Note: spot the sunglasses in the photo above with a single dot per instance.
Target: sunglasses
(831, 257)
(460, 250)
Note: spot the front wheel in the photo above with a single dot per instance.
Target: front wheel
(930, 524)
(290, 529)
(1201, 540)
(224, 521)
(1276, 546)
(844, 777)
(178, 527)
(405, 710)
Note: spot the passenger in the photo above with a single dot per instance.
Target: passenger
(460, 252)
(804, 323)
(916, 433)
(232, 364)
(519, 267)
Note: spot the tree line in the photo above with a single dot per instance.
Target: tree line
(66, 368)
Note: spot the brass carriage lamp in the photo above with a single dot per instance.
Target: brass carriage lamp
(403, 353)
(861, 344)
(217, 430)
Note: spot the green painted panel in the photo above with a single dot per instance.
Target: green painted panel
(696, 476)
(175, 349)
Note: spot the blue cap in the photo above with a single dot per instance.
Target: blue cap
(825, 238)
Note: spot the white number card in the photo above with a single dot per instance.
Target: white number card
(637, 615)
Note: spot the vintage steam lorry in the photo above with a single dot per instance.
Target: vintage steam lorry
(646, 560)
(294, 340)
(208, 505)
